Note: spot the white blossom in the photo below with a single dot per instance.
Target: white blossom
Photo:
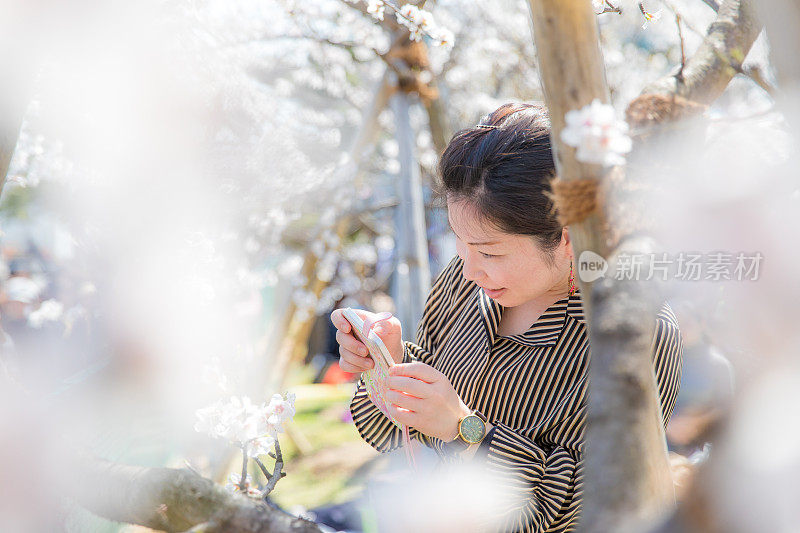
(419, 22)
(598, 6)
(304, 299)
(49, 311)
(318, 247)
(326, 267)
(650, 17)
(261, 446)
(376, 8)
(280, 409)
(331, 239)
(235, 479)
(597, 134)
(291, 265)
(240, 421)
(213, 375)
(361, 253)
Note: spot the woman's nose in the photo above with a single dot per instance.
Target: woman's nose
(471, 272)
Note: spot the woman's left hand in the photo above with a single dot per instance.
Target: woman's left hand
(423, 398)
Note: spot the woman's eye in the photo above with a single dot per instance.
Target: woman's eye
(487, 255)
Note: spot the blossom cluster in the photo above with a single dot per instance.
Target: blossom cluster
(245, 424)
(599, 137)
(418, 21)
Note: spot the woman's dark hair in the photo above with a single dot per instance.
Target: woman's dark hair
(504, 171)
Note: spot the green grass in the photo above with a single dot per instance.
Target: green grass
(325, 474)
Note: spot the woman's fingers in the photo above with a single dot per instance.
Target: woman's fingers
(350, 362)
(412, 386)
(404, 416)
(416, 370)
(340, 322)
(349, 342)
(405, 401)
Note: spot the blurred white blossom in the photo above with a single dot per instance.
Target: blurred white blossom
(419, 22)
(597, 134)
(376, 8)
(49, 311)
(239, 421)
(234, 480)
(213, 375)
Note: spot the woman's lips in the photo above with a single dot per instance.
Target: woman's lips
(493, 293)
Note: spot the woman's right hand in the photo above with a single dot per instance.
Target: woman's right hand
(353, 354)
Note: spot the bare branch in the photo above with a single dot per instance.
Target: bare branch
(611, 8)
(720, 57)
(243, 480)
(679, 75)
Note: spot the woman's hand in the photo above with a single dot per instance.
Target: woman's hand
(423, 398)
(353, 354)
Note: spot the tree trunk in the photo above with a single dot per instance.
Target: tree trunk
(627, 477)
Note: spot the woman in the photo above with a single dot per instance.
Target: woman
(499, 370)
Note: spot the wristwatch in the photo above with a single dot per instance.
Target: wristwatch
(471, 430)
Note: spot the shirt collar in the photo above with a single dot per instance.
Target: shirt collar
(547, 328)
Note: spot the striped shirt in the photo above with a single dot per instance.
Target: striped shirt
(531, 387)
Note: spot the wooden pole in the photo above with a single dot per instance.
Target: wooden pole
(571, 67)
(413, 273)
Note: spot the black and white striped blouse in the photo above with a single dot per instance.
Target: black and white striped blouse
(531, 387)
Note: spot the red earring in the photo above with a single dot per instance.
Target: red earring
(572, 287)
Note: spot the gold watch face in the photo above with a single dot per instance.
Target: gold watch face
(472, 429)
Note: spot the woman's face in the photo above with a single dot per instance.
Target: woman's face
(512, 269)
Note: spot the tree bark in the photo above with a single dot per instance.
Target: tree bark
(441, 132)
(627, 477)
(719, 58)
(782, 19)
(169, 499)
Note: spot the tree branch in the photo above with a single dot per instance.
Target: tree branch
(174, 500)
(720, 57)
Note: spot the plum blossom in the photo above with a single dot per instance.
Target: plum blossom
(597, 134)
(598, 6)
(649, 17)
(261, 446)
(280, 409)
(234, 480)
(245, 424)
(376, 8)
(419, 22)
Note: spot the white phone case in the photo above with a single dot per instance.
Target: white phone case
(377, 349)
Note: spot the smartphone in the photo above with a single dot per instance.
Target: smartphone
(377, 349)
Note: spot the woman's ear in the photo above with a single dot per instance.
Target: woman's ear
(566, 241)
